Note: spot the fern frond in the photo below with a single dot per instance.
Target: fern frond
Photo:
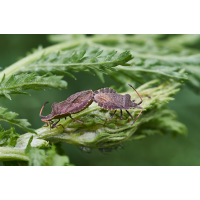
(10, 118)
(80, 59)
(15, 84)
(153, 56)
(164, 121)
(38, 157)
(58, 60)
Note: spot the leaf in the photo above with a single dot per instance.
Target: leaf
(54, 159)
(164, 121)
(155, 56)
(83, 58)
(22, 144)
(38, 157)
(100, 75)
(10, 118)
(8, 137)
(28, 147)
(15, 84)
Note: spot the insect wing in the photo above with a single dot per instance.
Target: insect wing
(79, 101)
(108, 101)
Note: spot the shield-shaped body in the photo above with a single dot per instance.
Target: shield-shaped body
(109, 99)
(74, 104)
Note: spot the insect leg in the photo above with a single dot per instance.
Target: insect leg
(129, 114)
(50, 123)
(138, 115)
(76, 120)
(46, 122)
(54, 125)
(110, 118)
(121, 114)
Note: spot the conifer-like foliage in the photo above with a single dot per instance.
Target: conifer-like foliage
(160, 67)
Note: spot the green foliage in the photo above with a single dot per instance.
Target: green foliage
(163, 122)
(154, 57)
(65, 37)
(8, 137)
(10, 118)
(158, 64)
(84, 58)
(39, 157)
(16, 83)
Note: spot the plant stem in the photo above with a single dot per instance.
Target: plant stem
(8, 153)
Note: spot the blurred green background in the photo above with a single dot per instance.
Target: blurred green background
(154, 150)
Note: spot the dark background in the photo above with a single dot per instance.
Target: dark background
(154, 150)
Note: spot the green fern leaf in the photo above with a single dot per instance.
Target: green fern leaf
(10, 118)
(38, 157)
(84, 58)
(164, 121)
(16, 83)
(154, 57)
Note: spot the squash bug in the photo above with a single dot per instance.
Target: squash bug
(109, 99)
(74, 104)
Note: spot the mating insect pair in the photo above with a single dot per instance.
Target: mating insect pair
(106, 98)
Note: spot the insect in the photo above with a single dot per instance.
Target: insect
(85, 149)
(74, 104)
(109, 99)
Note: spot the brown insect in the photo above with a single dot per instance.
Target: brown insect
(109, 99)
(74, 104)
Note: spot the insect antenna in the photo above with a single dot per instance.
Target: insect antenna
(137, 93)
(42, 109)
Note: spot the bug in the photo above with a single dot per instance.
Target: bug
(109, 99)
(74, 104)
(85, 149)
